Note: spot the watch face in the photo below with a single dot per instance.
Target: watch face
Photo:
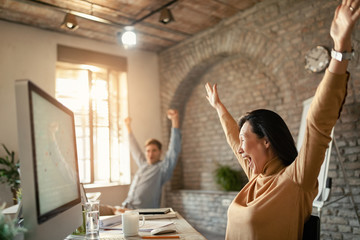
(317, 59)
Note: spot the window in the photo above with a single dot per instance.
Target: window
(98, 98)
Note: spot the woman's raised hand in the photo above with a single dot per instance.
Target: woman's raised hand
(212, 95)
(345, 17)
(343, 24)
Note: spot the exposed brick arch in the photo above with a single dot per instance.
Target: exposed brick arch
(191, 80)
(183, 72)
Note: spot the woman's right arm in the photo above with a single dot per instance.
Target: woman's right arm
(230, 127)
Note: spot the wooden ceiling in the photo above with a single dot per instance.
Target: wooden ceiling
(191, 17)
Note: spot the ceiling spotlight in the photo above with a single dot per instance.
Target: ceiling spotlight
(166, 16)
(69, 22)
(128, 37)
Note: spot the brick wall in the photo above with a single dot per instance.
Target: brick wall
(257, 59)
(206, 210)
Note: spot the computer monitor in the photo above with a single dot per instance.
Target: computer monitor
(48, 164)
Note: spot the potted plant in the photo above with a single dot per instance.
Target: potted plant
(228, 178)
(9, 229)
(9, 172)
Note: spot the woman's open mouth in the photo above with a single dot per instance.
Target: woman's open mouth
(250, 162)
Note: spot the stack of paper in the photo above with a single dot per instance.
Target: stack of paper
(148, 226)
(110, 220)
(151, 225)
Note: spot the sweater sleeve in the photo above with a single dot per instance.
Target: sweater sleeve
(172, 154)
(231, 130)
(323, 113)
(136, 151)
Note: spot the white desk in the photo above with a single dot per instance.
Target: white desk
(183, 229)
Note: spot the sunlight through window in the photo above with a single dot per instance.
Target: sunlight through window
(98, 98)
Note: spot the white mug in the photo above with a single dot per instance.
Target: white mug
(130, 223)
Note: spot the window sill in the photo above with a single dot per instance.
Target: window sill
(103, 185)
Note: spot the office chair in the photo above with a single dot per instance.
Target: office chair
(312, 228)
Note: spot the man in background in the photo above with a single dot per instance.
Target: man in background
(146, 187)
(153, 173)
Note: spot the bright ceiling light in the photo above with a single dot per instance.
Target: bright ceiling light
(128, 38)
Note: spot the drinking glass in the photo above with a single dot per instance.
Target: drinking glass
(92, 219)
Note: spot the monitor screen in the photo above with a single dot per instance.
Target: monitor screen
(48, 164)
(54, 156)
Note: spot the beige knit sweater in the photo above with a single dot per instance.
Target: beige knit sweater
(276, 203)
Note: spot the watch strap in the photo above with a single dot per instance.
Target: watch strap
(342, 55)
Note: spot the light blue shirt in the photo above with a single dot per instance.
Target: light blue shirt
(145, 189)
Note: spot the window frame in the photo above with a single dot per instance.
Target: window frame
(111, 63)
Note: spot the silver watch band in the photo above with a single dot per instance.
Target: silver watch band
(342, 55)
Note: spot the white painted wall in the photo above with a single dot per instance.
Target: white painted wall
(27, 52)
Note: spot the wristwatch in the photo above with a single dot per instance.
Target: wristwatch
(342, 55)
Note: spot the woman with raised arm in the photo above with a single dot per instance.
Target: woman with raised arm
(277, 200)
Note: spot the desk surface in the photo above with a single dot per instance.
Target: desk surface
(183, 228)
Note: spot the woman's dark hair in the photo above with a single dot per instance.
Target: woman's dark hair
(266, 123)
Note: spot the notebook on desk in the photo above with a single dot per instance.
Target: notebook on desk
(146, 211)
(157, 213)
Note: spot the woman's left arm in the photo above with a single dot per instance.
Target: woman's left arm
(346, 15)
(328, 100)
